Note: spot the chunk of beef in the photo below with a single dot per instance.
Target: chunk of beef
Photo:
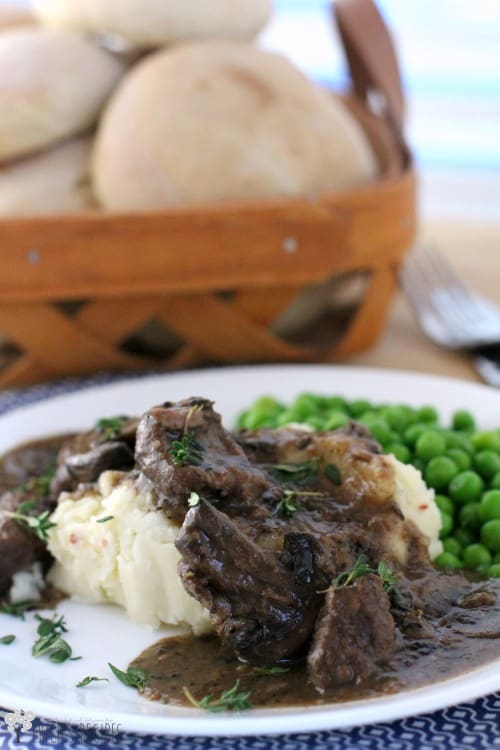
(263, 604)
(355, 632)
(19, 547)
(84, 457)
(217, 467)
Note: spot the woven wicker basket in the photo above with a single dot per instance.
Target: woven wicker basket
(73, 289)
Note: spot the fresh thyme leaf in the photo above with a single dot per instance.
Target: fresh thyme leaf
(51, 627)
(39, 485)
(193, 500)
(229, 700)
(287, 506)
(299, 473)
(56, 648)
(333, 474)
(359, 569)
(50, 642)
(187, 451)
(16, 610)
(134, 677)
(43, 482)
(387, 576)
(6, 640)
(270, 670)
(105, 519)
(110, 427)
(38, 525)
(88, 680)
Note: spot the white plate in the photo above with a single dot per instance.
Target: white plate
(103, 634)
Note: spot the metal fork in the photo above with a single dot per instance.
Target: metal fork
(449, 313)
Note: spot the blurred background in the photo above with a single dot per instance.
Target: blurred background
(449, 52)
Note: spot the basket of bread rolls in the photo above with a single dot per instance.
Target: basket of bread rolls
(174, 195)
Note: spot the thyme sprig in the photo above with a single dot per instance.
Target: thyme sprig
(306, 472)
(362, 568)
(187, 451)
(229, 700)
(287, 506)
(39, 525)
(39, 485)
(16, 610)
(133, 677)
(109, 428)
(89, 680)
(50, 642)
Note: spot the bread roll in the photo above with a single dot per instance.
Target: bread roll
(53, 182)
(52, 85)
(212, 121)
(12, 16)
(152, 23)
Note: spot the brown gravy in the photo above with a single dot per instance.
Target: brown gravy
(459, 642)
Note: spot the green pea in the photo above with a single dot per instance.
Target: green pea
(398, 417)
(359, 407)
(447, 524)
(460, 457)
(494, 571)
(489, 509)
(487, 463)
(287, 417)
(400, 451)
(317, 422)
(336, 419)
(448, 561)
(476, 555)
(413, 432)
(463, 420)
(426, 414)
(452, 546)
(458, 440)
(469, 516)
(490, 535)
(445, 504)
(304, 406)
(429, 445)
(489, 441)
(440, 471)
(336, 403)
(466, 487)
(465, 537)
(379, 429)
(495, 482)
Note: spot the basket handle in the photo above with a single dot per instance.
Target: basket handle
(372, 59)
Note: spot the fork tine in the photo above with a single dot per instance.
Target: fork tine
(447, 311)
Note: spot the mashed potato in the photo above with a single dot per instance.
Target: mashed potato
(417, 503)
(129, 559)
(112, 546)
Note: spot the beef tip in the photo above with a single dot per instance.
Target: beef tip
(85, 468)
(83, 458)
(19, 548)
(213, 464)
(355, 631)
(263, 604)
(20, 470)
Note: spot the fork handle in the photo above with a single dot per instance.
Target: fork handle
(371, 57)
(487, 363)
